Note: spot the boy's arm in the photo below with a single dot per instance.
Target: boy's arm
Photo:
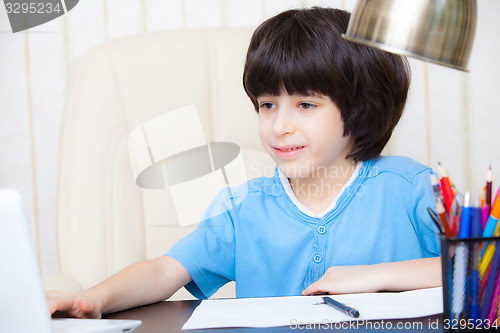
(392, 276)
(142, 283)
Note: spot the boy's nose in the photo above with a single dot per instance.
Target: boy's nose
(283, 124)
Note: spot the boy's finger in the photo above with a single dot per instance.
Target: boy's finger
(312, 289)
(88, 308)
(85, 305)
(59, 301)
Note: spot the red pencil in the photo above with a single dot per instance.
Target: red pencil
(445, 187)
(444, 220)
(456, 212)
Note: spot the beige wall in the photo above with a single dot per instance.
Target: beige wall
(451, 116)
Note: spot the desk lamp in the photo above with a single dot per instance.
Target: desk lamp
(438, 31)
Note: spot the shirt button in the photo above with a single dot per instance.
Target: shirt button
(321, 230)
(317, 258)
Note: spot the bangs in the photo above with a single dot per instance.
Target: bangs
(290, 60)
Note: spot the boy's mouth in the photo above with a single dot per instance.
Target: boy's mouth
(287, 152)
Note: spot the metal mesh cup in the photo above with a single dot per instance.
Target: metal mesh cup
(471, 283)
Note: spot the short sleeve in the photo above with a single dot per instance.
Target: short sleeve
(422, 197)
(208, 252)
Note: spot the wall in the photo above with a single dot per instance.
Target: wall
(451, 116)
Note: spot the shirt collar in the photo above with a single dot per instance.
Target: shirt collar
(288, 190)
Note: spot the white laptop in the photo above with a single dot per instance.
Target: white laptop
(23, 306)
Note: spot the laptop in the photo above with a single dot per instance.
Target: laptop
(23, 306)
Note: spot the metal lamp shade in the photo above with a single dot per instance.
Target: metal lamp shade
(438, 31)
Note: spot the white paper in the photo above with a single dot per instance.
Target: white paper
(290, 311)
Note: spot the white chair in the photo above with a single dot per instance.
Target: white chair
(105, 221)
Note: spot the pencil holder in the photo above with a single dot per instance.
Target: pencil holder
(471, 283)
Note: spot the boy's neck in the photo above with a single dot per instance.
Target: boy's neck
(321, 187)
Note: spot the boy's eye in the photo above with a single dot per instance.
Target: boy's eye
(307, 106)
(266, 106)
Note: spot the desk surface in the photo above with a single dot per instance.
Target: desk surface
(169, 316)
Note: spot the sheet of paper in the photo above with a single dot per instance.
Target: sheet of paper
(293, 310)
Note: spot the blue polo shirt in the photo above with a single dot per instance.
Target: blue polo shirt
(270, 247)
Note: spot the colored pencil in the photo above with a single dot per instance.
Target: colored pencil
(489, 183)
(483, 281)
(444, 220)
(483, 197)
(436, 187)
(491, 224)
(494, 302)
(476, 231)
(475, 295)
(485, 213)
(445, 187)
(465, 218)
(486, 259)
(475, 223)
(490, 286)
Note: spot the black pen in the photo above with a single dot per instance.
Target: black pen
(342, 307)
(436, 219)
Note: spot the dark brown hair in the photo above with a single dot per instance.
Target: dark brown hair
(301, 51)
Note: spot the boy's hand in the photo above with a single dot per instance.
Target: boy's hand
(74, 305)
(393, 276)
(346, 280)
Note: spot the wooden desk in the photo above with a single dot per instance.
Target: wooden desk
(169, 316)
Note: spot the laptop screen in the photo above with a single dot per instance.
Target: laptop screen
(23, 307)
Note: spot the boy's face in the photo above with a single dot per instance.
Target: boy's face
(303, 134)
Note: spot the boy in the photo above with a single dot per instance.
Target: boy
(336, 217)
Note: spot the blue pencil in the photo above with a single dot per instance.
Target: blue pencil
(474, 309)
(475, 231)
(475, 223)
(465, 219)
